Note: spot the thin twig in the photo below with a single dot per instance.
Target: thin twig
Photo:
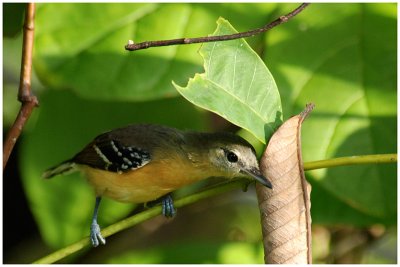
(282, 19)
(25, 96)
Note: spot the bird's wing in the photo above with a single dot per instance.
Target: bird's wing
(107, 153)
(132, 147)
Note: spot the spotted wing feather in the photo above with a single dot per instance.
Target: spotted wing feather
(111, 155)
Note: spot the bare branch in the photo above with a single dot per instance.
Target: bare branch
(282, 19)
(25, 96)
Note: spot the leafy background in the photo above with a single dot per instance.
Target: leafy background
(342, 57)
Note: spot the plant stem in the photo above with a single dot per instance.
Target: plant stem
(353, 160)
(219, 189)
(282, 19)
(25, 96)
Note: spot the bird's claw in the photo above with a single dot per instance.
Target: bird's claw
(168, 209)
(95, 235)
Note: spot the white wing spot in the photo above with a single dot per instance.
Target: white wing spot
(127, 161)
(101, 155)
(114, 147)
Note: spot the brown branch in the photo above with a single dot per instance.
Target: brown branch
(25, 96)
(282, 19)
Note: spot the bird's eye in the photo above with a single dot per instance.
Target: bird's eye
(232, 157)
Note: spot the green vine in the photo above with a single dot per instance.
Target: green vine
(353, 160)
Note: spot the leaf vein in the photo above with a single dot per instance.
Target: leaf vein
(252, 80)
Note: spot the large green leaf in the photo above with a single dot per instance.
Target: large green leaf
(342, 57)
(81, 46)
(62, 126)
(236, 85)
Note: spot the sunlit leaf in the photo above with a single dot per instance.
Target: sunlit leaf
(236, 85)
(342, 57)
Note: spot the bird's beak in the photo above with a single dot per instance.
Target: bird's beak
(256, 174)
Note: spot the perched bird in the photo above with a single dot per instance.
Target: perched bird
(144, 162)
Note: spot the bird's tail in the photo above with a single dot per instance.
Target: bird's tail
(62, 168)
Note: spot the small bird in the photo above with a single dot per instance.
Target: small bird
(144, 162)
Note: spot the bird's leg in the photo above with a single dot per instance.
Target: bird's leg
(168, 209)
(95, 235)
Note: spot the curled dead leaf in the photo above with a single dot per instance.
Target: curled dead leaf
(285, 210)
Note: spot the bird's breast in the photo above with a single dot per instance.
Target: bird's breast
(145, 184)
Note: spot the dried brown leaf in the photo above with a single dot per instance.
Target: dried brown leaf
(285, 210)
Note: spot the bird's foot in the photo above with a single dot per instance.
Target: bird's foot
(168, 209)
(95, 236)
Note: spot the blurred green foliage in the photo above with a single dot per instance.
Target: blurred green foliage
(106, 70)
(207, 253)
(12, 18)
(342, 57)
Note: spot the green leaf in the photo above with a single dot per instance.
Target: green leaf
(62, 126)
(81, 46)
(327, 209)
(342, 57)
(92, 60)
(236, 85)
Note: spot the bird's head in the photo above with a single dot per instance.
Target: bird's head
(235, 157)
